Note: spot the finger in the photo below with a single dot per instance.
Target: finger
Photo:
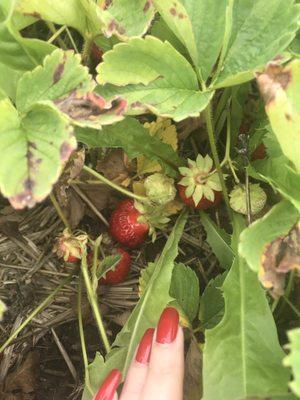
(108, 389)
(165, 376)
(138, 369)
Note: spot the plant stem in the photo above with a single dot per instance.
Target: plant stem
(94, 303)
(115, 186)
(296, 311)
(52, 29)
(56, 34)
(38, 309)
(212, 142)
(72, 40)
(59, 211)
(82, 340)
(87, 49)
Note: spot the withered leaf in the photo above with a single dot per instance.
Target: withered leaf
(280, 257)
(115, 166)
(21, 384)
(193, 371)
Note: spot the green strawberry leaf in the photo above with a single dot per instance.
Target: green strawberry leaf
(9, 80)
(158, 77)
(60, 74)
(218, 240)
(145, 314)
(107, 264)
(280, 89)
(199, 25)
(79, 14)
(212, 302)
(278, 172)
(257, 34)
(134, 138)
(293, 359)
(63, 80)
(35, 146)
(19, 53)
(242, 355)
(126, 18)
(185, 290)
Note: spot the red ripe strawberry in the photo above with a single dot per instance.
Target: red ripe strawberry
(121, 270)
(199, 187)
(259, 153)
(126, 225)
(204, 202)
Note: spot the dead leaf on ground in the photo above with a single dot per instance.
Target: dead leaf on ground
(21, 384)
(115, 166)
(192, 374)
(280, 257)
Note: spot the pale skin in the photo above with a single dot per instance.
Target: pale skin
(162, 378)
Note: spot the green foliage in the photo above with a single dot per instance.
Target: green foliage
(133, 137)
(107, 264)
(126, 18)
(277, 222)
(257, 34)
(19, 53)
(185, 290)
(39, 143)
(172, 89)
(199, 25)
(212, 302)
(242, 356)
(218, 240)
(60, 74)
(293, 359)
(280, 88)
(146, 313)
(67, 12)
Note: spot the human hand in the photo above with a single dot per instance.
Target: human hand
(158, 366)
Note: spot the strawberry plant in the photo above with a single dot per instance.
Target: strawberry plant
(177, 124)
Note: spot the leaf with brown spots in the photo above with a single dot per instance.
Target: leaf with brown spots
(127, 18)
(79, 14)
(33, 149)
(60, 75)
(280, 89)
(91, 110)
(271, 246)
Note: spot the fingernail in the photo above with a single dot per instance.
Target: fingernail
(167, 326)
(144, 349)
(109, 386)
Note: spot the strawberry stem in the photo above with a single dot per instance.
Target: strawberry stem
(82, 340)
(94, 303)
(212, 142)
(60, 212)
(119, 188)
(38, 309)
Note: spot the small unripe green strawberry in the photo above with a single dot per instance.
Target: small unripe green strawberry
(238, 201)
(160, 188)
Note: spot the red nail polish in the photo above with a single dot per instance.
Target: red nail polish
(144, 349)
(167, 326)
(108, 388)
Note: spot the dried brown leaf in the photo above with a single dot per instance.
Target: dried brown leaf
(280, 257)
(115, 166)
(21, 384)
(193, 371)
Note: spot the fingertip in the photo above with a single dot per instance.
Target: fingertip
(107, 390)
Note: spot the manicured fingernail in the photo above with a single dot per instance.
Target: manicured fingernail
(109, 386)
(144, 349)
(167, 326)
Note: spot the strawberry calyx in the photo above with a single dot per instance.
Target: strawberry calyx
(70, 246)
(155, 216)
(199, 181)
